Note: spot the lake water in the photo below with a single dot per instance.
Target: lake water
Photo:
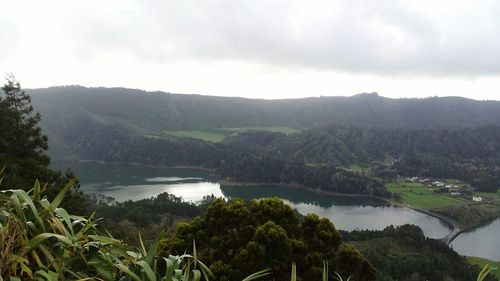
(133, 182)
(481, 242)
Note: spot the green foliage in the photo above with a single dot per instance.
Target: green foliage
(481, 262)
(471, 154)
(115, 144)
(148, 216)
(219, 135)
(404, 253)
(22, 147)
(471, 214)
(21, 141)
(206, 136)
(254, 168)
(283, 130)
(153, 111)
(41, 241)
(350, 260)
(235, 238)
(487, 269)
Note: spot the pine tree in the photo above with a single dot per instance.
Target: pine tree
(22, 144)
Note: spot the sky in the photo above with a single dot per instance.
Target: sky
(257, 48)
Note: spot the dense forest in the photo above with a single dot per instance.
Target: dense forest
(143, 113)
(471, 154)
(314, 158)
(404, 253)
(236, 237)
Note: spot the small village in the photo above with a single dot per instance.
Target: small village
(452, 189)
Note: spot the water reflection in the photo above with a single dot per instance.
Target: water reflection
(193, 191)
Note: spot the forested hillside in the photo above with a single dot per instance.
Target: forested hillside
(156, 113)
(310, 158)
(470, 154)
(404, 253)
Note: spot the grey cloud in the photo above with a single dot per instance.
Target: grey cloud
(383, 37)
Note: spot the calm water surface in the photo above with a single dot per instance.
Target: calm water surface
(133, 182)
(347, 213)
(481, 242)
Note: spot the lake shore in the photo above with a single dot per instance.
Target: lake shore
(224, 182)
(137, 164)
(453, 224)
(456, 228)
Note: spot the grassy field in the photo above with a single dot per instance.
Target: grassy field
(220, 134)
(283, 130)
(358, 167)
(417, 195)
(482, 262)
(354, 168)
(206, 136)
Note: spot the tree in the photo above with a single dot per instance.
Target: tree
(235, 238)
(23, 147)
(22, 144)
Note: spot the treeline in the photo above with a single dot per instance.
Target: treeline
(157, 111)
(472, 155)
(116, 144)
(404, 253)
(263, 169)
(469, 216)
(342, 145)
(148, 216)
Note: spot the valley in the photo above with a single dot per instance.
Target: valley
(250, 140)
(377, 182)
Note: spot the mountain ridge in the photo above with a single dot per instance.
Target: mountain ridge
(142, 113)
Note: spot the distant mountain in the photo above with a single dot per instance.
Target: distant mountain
(73, 108)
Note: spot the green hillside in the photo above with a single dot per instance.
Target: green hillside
(165, 111)
(154, 113)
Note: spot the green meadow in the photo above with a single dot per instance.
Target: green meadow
(283, 130)
(202, 135)
(417, 195)
(218, 135)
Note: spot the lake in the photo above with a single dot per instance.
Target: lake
(481, 242)
(134, 182)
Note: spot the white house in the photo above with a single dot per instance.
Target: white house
(477, 198)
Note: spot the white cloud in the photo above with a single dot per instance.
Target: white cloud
(393, 37)
(280, 48)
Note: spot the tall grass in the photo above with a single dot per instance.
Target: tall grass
(41, 241)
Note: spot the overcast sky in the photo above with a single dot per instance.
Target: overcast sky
(257, 48)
